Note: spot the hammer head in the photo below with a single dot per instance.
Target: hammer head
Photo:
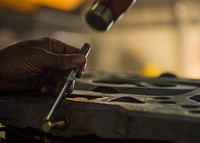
(104, 13)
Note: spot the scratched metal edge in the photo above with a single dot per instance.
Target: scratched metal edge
(115, 122)
(106, 120)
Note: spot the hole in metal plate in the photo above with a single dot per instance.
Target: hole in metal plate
(89, 97)
(136, 83)
(167, 102)
(162, 98)
(195, 111)
(127, 99)
(195, 98)
(190, 106)
(105, 89)
(116, 81)
(158, 84)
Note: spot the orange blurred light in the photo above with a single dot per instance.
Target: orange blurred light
(31, 5)
(19, 5)
(68, 5)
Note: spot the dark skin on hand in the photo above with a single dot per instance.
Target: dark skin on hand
(38, 64)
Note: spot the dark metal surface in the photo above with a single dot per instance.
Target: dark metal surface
(119, 107)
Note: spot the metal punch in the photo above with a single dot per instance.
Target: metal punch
(69, 78)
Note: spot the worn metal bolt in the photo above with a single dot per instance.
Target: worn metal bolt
(48, 126)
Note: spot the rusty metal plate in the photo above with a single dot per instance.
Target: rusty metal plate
(116, 107)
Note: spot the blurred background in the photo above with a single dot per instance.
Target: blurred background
(153, 37)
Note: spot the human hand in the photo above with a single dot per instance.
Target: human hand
(38, 64)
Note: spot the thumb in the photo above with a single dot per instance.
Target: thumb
(62, 61)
